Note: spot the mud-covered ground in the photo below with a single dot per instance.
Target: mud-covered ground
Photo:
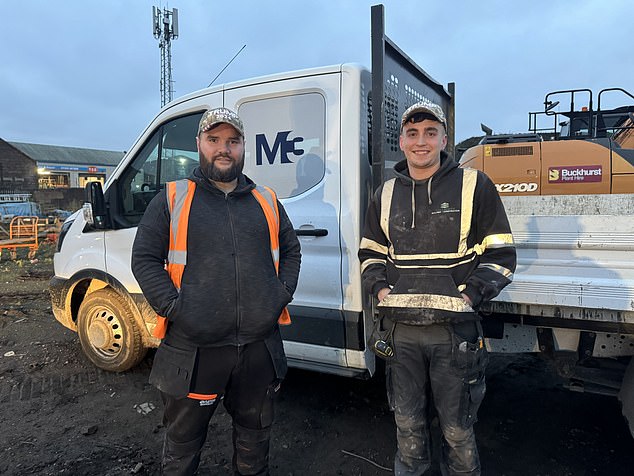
(61, 415)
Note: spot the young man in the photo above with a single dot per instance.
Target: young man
(218, 258)
(436, 245)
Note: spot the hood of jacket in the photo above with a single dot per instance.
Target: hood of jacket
(447, 164)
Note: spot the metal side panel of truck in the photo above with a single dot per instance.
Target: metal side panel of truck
(304, 131)
(575, 275)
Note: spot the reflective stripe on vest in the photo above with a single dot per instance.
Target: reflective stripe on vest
(268, 201)
(179, 199)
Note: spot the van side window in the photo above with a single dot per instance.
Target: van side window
(169, 154)
(285, 142)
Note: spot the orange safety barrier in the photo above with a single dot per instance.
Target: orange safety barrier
(22, 234)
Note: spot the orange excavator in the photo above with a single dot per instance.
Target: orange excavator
(568, 191)
(591, 153)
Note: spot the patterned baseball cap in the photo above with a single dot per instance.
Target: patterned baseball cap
(425, 106)
(219, 115)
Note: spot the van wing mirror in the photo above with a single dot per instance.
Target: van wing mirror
(95, 207)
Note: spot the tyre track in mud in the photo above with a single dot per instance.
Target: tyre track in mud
(22, 294)
(63, 384)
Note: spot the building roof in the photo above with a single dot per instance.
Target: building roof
(68, 155)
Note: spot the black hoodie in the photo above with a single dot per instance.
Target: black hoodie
(230, 293)
(432, 240)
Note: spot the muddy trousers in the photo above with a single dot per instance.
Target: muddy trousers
(249, 399)
(430, 366)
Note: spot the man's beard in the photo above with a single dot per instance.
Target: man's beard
(211, 172)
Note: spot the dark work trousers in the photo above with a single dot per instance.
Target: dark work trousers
(437, 363)
(248, 395)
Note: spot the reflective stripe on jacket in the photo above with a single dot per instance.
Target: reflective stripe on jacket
(179, 198)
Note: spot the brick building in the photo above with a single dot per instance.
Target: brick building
(18, 171)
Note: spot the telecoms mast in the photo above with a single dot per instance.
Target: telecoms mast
(165, 30)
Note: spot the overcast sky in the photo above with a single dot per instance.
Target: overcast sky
(86, 74)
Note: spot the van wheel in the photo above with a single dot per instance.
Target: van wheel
(108, 333)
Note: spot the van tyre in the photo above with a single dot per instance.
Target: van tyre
(108, 333)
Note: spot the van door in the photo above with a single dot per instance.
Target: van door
(292, 145)
(166, 152)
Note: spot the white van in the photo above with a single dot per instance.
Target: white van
(308, 135)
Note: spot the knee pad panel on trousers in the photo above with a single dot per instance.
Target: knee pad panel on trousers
(251, 450)
(459, 452)
(181, 448)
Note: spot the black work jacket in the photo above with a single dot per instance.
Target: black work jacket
(432, 240)
(230, 293)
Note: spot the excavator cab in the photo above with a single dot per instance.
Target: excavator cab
(583, 151)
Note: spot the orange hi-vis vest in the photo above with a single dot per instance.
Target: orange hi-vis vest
(179, 199)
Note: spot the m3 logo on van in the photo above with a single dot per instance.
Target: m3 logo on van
(572, 174)
(282, 144)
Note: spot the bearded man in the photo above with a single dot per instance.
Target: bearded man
(218, 259)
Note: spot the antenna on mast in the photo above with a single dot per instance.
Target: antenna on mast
(165, 29)
(230, 61)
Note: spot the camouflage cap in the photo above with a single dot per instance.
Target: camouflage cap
(425, 106)
(219, 115)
